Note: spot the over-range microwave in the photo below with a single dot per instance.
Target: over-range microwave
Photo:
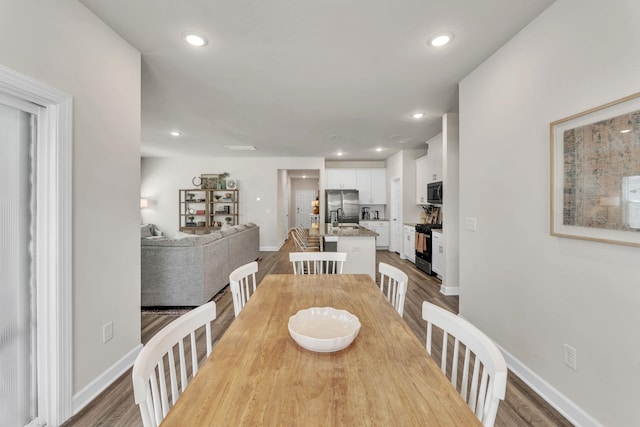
(434, 193)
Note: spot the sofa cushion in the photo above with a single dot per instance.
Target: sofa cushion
(145, 231)
(216, 235)
(180, 235)
(228, 231)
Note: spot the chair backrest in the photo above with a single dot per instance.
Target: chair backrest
(485, 386)
(242, 282)
(317, 262)
(296, 241)
(150, 382)
(393, 283)
(302, 244)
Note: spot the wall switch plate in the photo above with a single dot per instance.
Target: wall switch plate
(570, 356)
(470, 224)
(107, 332)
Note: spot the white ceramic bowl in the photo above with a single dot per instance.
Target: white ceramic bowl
(323, 329)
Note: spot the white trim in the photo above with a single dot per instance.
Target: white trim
(108, 377)
(272, 248)
(54, 254)
(572, 412)
(449, 290)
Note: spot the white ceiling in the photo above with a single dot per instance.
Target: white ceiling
(287, 75)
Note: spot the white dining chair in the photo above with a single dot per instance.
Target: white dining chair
(302, 244)
(242, 282)
(393, 284)
(156, 391)
(484, 387)
(317, 262)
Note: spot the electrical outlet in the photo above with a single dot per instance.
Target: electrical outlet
(570, 356)
(107, 332)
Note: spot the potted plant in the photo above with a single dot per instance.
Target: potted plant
(228, 219)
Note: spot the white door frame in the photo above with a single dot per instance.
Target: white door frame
(395, 238)
(53, 264)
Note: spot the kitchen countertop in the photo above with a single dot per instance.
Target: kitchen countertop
(347, 230)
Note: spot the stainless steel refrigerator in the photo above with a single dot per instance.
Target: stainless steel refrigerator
(345, 204)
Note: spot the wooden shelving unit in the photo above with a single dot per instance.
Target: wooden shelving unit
(203, 211)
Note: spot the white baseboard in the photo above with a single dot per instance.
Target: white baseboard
(272, 248)
(449, 290)
(97, 386)
(572, 412)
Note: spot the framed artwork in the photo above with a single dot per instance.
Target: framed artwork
(212, 181)
(595, 174)
(209, 181)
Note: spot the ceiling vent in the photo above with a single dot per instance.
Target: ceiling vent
(240, 147)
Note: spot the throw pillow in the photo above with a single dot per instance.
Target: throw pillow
(145, 231)
(180, 235)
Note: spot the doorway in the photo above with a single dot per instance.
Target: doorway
(37, 209)
(18, 344)
(303, 207)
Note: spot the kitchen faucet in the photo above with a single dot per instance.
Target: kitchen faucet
(333, 219)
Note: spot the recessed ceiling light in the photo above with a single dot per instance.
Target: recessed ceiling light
(440, 39)
(304, 176)
(240, 147)
(335, 136)
(418, 115)
(175, 133)
(625, 131)
(195, 39)
(339, 153)
(404, 140)
(379, 149)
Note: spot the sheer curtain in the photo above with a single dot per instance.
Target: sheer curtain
(18, 403)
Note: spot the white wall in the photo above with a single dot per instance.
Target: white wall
(403, 165)
(451, 208)
(257, 177)
(65, 46)
(529, 291)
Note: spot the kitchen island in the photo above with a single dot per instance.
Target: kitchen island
(357, 242)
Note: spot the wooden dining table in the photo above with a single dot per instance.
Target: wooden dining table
(257, 375)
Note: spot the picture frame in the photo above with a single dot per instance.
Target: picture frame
(212, 181)
(595, 174)
(209, 181)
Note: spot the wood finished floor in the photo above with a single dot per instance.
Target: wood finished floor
(115, 406)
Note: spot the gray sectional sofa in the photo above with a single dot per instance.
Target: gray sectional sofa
(189, 271)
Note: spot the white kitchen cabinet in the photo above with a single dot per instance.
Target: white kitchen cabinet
(341, 179)
(409, 243)
(361, 254)
(421, 180)
(372, 186)
(429, 168)
(437, 253)
(435, 160)
(380, 227)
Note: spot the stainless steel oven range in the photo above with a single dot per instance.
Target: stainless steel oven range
(424, 246)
